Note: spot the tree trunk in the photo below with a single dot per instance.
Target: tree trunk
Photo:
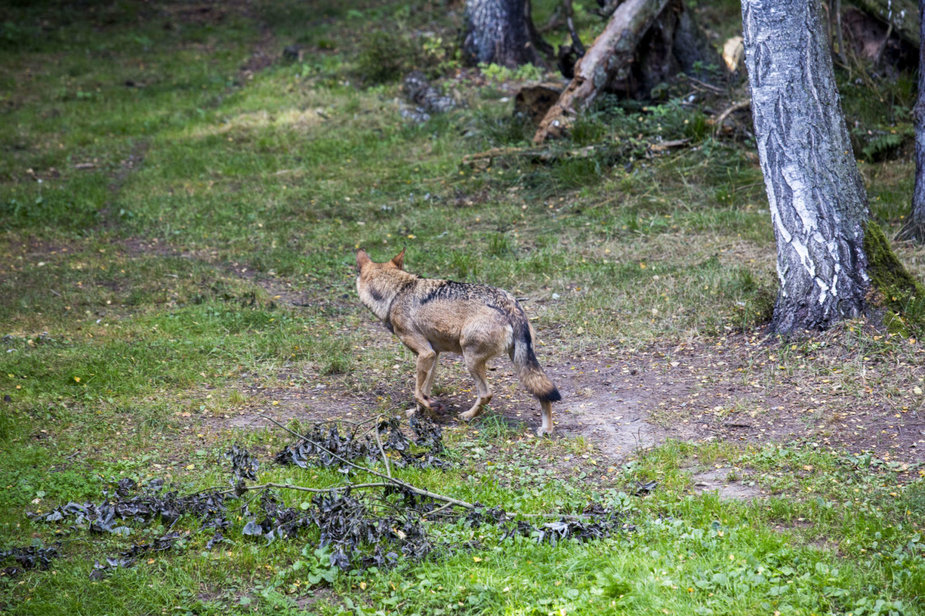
(644, 42)
(818, 202)
(914, 229)
(501, 32)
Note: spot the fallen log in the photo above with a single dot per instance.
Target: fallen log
(607, 60)
(644, 42)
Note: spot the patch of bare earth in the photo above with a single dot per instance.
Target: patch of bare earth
(739, 388)
(725, 483)
(831, 392)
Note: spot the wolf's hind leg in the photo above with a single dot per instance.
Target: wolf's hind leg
(546, 428)
(476, 364)
(426, 362)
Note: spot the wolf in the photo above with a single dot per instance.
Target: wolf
(433, 316)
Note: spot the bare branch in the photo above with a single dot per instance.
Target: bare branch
(718, 122)
(392, 480)
(385, 458)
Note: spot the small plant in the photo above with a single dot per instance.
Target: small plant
(500, 245)
(497, 74)
(878, 145)
(387, 55)
(384, 56)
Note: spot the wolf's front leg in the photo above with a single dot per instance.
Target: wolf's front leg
(426, 363)
(429, 381)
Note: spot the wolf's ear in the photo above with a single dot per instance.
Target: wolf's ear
(399, 260)
(362, 259)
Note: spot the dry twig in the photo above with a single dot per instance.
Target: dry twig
(397, 482)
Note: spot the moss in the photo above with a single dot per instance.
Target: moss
(900, 295)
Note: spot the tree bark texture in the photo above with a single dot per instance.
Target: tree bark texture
(500, 32)
(914, 228)
(817, 199)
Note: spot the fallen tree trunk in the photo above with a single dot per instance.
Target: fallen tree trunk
(902, 15)
(607, 60)
(644, 42)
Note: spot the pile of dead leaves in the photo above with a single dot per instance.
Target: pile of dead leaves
(358, 524)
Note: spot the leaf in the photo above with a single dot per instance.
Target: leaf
(252, 529)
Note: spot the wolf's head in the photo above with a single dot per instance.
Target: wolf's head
(378, 283)
(363, 260)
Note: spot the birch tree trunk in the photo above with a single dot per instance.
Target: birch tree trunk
(914, 229)
(817, 199)
(501, 32)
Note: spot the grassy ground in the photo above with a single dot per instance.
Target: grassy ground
(180, 207)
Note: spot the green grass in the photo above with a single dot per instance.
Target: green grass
(179, 211)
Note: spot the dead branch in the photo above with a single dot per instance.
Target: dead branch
(397, 482)
(718, 121)
(385, 458)
(570, 23)
(486, 159)
(703, 85)
(291, 486)
(664, 146)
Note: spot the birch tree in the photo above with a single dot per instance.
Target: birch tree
(914, 229)
(828, 253)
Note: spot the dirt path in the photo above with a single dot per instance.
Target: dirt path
(837, 390)
(730, 390)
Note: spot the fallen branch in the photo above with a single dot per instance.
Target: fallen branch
(607, 60)
(739, 106)
(292, 486)
(545, 155)
(664, 146)
(397, 482)
(385, 458)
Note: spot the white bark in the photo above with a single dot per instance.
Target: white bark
(817, 200)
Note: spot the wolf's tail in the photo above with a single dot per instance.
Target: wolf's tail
(528, 367)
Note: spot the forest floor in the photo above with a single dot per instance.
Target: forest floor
(183, 188)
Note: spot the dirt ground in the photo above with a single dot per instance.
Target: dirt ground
(838, 390)
(827, 392)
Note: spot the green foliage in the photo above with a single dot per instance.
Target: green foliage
(387, 55)
(878, 145)
(384, 56)
(499, 74)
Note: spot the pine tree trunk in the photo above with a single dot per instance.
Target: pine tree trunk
(500, 32)
(818, 202)
(914, 229)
